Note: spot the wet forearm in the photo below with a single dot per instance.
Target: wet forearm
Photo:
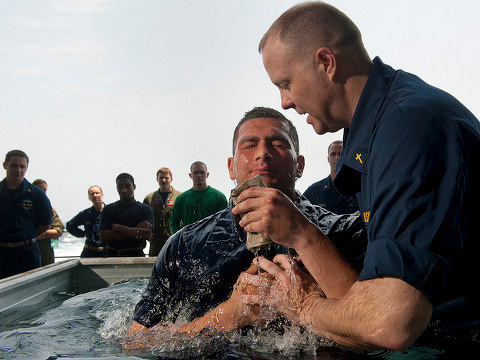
(379, 313)
(332, 272)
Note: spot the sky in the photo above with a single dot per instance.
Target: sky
(93, 88)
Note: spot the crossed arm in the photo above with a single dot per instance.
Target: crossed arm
(143, 231)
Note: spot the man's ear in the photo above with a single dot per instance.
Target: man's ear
(5, 165)
(231, 169)
(300, 166)
(326, 61)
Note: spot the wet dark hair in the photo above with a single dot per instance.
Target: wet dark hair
(18, 153)
(267, 113)
(125, 176)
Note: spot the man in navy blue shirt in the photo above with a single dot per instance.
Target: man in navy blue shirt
(411, 155)
(90, 219)
(196, 270)
(323, 192)
(126, 225)
(25, 212)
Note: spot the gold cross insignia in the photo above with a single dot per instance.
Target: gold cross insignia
(359, 158)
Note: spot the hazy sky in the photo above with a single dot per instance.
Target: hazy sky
(93, 88)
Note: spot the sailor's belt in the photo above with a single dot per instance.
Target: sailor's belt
(99, 248)
(17, 244)
(119, 251)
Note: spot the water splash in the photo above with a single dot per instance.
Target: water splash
(94, 326)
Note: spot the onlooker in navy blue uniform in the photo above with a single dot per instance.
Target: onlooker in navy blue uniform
(324, 194)
(25, 212)
(411, 156)
(127, 224)
(90, 219)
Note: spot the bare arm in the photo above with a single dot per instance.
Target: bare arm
(55, 230)
(49, 234)
(222, 318)
(379, 313)
(229, 315)
(42, 229)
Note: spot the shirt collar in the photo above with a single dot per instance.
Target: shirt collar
(356, 140)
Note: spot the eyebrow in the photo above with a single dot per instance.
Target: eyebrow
(253, 138)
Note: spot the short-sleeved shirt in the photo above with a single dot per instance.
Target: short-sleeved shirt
(412, 156)
(193, 205)
(127, 214)
(324, 194)
(198, 266)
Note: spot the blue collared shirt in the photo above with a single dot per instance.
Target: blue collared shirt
(22, 211)
(412, 156)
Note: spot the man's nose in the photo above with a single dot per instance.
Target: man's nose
(287, 102)
(263, 152)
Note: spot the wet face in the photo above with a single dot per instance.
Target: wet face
(303, 83)
(264, 148)
(199, 175)
(334, 153)
(95, 195)
(126, 188)
(164, 180)
(16, 169)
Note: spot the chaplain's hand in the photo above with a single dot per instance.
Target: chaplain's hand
(289, 291)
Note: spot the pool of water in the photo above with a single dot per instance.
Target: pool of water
(94, 325)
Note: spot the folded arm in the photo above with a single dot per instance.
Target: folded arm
(143, 231)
